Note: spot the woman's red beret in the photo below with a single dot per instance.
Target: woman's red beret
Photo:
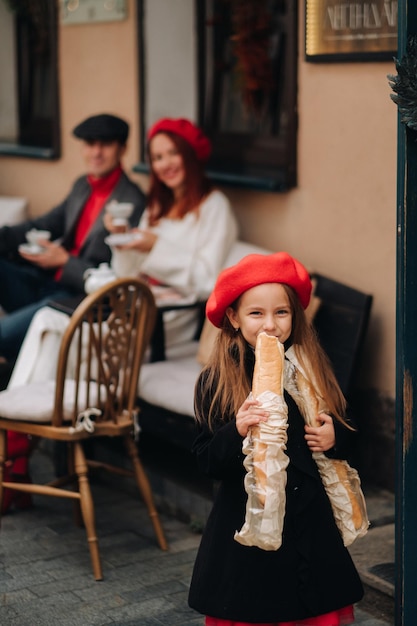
(188, 131)
(253, 270)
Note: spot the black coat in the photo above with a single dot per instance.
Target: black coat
(310, 574)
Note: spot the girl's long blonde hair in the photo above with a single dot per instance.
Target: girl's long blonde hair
(226, 372)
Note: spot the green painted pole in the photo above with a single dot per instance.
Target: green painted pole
(406, 354)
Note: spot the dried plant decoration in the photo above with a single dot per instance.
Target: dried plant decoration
(405, 85)
(251, 22)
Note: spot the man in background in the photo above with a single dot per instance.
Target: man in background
(29, 281)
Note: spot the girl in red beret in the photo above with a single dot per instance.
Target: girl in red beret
(188, 228)
(310, 580)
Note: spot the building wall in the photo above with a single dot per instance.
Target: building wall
(341, 218)
(98, 72)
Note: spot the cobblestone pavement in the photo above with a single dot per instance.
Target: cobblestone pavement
(46, 577)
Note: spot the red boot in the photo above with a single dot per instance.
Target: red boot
(16, 469)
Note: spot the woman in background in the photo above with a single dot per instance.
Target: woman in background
(186, 231)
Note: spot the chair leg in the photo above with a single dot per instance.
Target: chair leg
(145, 489)
(3, 452)
(87, 509)
(70, 470)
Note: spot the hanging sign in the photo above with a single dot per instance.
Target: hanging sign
(344, 31)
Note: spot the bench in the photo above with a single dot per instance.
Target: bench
(166, 388)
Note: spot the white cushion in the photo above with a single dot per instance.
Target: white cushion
(12, 210)
(170, 384)
(35, 402)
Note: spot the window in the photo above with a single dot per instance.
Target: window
(231, 66)
(29, 118)
(248, 65)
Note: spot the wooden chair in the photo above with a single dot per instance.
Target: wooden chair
(93, 395)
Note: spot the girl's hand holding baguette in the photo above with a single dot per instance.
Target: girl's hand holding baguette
(321, 438)
(250, 414)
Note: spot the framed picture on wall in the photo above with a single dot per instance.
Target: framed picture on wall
(336, 30)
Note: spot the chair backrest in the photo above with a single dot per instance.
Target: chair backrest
(102, 351)
(341, 322)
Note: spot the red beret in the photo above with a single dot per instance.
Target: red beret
(188, 131)
(253, 270)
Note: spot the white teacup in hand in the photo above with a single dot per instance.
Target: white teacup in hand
(34, 237)
(120, 210)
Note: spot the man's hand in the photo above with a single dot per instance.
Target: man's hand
(108, 223)
(52, 256)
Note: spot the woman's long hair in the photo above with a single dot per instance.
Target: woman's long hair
(225, 375)
(196, 184)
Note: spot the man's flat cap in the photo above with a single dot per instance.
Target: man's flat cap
(102, 127)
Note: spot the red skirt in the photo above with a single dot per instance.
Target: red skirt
(335, 618)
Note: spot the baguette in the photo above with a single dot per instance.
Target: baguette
(342, 472)
(268, 375)
(311, 409)
(310, 404)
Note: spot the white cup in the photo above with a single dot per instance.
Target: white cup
(121, 225)
(34, 236)
(120, 210)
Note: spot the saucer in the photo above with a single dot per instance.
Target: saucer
(30, 248)
(119, 239)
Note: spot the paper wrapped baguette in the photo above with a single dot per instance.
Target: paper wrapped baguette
(312, 410)
(264, 448)
(268, 375)
(341, 481)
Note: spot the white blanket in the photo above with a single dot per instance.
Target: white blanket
(37, 360)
